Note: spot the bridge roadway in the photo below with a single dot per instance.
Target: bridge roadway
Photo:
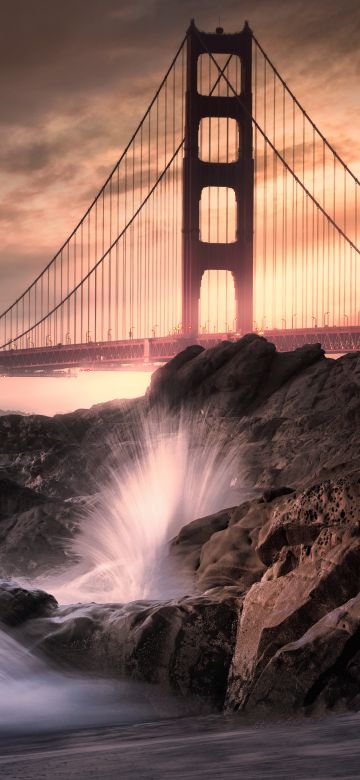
(147, 353)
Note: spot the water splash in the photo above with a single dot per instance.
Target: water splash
(179, 471)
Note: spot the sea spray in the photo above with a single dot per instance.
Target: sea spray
(175, 470)
(34, 697)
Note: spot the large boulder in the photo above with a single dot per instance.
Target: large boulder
(318, 672)
(220, 550)
(184, 646)
(235, 377)
(311, 547)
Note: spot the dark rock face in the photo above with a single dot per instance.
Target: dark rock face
(34, 529)
(184, 646)
(19, 604)
(274, 625)
(318, 672)
(66, 455)
(295, 415)
(277, 629)
(236, 377)
(221, 549)
(48, 468)
(311, 546)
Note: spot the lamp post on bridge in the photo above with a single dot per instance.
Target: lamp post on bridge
(293, 317)
(346, 323)
(326, 314)
(314, 320)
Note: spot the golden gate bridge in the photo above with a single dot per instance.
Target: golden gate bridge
(227, 212)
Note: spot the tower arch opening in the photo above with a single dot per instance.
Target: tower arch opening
(219, 139)
(217, 305)
(218, 215)
(211, 71)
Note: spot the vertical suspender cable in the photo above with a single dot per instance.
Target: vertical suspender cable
(303, 262)
(96, 275)
(274, 206)
(102, 265)
(88, 281)
(117, 255)
(293, 258)
(82, 286)
(109, 333)
(264, 203)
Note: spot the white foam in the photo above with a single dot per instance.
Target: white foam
(123, 543)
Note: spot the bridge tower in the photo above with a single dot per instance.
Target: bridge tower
(200, 256)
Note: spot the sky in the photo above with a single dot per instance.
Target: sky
(76, 77)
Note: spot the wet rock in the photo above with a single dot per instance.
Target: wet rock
(18, 604)
(320, 671)
(299, 518)
(230, 556)
(67, 455)
(38, 540)
(220, 549)
(272, 493)
(16, 498)
(238, 376)
(275, 626)
(311, 546)
(229, 372)
(184, 646)
(191, 538)
(35, 530)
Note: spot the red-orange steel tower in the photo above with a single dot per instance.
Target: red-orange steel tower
(200, 256)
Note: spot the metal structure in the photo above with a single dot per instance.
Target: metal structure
(198, 255)
(227, 212)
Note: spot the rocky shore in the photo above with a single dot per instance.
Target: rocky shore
(272, 622)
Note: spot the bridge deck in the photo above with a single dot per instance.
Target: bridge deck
(144, 353)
